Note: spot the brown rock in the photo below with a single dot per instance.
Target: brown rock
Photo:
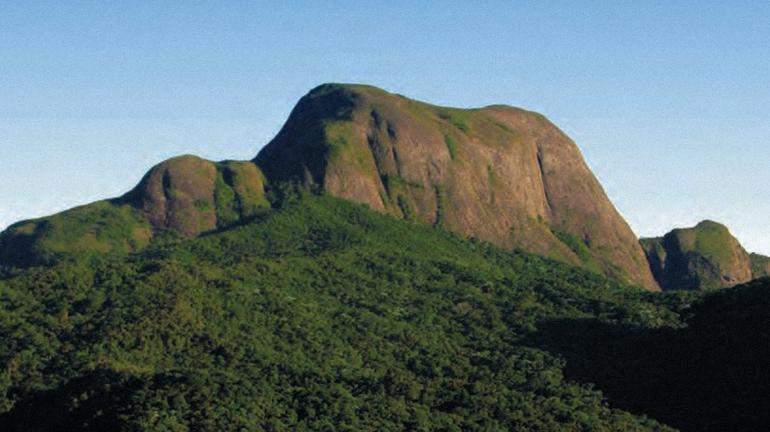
(192, 195)
(501, 174)
(179, 194)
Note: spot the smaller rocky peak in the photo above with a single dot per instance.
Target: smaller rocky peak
(705, 256)
(178, 194)
(191, 195)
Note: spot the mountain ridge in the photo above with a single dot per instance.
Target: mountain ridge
(498, 173)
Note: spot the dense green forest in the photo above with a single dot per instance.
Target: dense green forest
(321, 315)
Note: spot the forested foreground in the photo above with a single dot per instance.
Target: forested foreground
(324, 316)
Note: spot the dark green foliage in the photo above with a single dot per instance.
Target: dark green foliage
(406, 208)
(708, 376)
(440, 206)
(321, 315)
(226, 203)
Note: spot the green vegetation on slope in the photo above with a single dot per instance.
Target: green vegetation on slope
(238, 193)
(710, 375)
(321, 315)
(580, 249)
(184, 196)
(709, 239)
(451, 146)
(101, 227)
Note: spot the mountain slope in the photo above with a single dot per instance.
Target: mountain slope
(498, 173)
(706, 256)
(322, 315)
(707, 376)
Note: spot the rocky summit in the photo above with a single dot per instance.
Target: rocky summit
(500, 174)
(705, 256)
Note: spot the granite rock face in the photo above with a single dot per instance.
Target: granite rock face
(498, 173)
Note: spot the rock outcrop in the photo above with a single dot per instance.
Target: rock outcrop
(706, 256)
(501, 174)
(192, 195)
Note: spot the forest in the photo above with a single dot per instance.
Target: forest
(322, 315)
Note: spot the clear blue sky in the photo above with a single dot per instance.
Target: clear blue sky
(669, 100)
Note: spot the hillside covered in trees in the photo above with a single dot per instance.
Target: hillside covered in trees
(323, 315)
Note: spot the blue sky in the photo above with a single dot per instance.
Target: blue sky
(669, 101)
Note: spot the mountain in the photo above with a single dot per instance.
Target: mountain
(706, 256)
(369, 271)
(499, 174)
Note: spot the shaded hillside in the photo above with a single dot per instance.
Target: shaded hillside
(185, 195)
(322, 315)
(498, 173)
(708, 376)
(706, 256)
